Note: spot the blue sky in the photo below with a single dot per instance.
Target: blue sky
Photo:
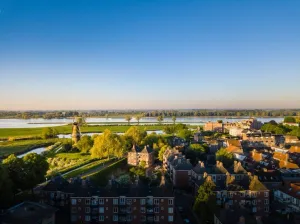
(149, 54)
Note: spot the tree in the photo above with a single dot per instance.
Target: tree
(185, 134)
(151, 139)
(289, 120)
(161, 152)
(106, 145)
(85, 144)
(138, 118)
(35, 169)
(128, 119)
(143, 164)
(49, 133)
(197, 148)
(160, 119)
(225, 157)
(6, 193)
(205, 201)
(15, 169)
(174, 119)
(136, 134)
(80, 121)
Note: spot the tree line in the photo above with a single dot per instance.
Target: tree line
(149, 113)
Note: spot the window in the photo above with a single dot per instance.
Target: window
(230, 194)
(170, 210)
(73, 218)
(162, 208)
(242, 194)
(237, 177)
(170, 202)
(143, 209)
(115, 218)
(73, 201)
(254, 202)
(254, 194)
(156, 209)
(101, 218)
(95, 202)
(87, 201)
(143, 218)
(129, 218)
(122, 201)
(115, 209)
(52, 195)
(219, 177)
(143, 201)
(156, 218)
(115, 201)
(161, 200)
(101, 210)
(87, 209)
(170, 218)
(266, 194)
(162, 217)
(73, 209)
(156, 201)
(101, 201)
(62, 196)
(87, 218)
(266, 209)
(129, 201)
(266, 202)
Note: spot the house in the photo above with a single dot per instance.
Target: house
(214, 126)
(133, 203)
(260, 138)
(138, 155)
(198, 136)
(236, 131)
(234, 146)
(180, 171)
(29, 213)
(285, 161)
(291, 139)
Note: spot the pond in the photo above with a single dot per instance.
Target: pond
(30, 123)
(37, 151)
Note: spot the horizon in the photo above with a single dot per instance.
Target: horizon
(136, 55)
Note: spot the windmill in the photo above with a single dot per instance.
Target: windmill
(76, 134)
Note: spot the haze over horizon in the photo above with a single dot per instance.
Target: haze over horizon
(77, 55)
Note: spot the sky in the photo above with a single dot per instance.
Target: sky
(154, 54)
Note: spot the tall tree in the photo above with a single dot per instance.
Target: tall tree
(106, 145)
(128, 119)
(15, 168)
(6, 193)
(136, 134)
(35, 169)
(138, 118)
(161, 152)
(85, 144)
(81, 120)
(205, 201)
(225, 157)
(49, 133)
(160, 118)
(174, 119)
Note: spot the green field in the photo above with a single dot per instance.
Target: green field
(11, 147)
(67, 129)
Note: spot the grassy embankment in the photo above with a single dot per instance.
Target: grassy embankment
(22, 146)
(6, 133)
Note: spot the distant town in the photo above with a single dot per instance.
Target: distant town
(224, 171)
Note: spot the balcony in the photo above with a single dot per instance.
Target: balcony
(122, 211)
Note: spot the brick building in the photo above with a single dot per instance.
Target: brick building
(214, 126)
(124, 204)
(138, 155)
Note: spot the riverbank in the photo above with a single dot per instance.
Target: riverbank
(6, 133)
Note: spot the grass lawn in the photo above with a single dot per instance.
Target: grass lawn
(83, 170)
(67, 129)
(10, 147)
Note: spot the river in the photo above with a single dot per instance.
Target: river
(37, 151)
(31, 123)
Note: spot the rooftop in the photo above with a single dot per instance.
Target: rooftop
(28, 212)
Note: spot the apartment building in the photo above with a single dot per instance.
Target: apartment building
(290, 196)
(124, 204)
(214, 126)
